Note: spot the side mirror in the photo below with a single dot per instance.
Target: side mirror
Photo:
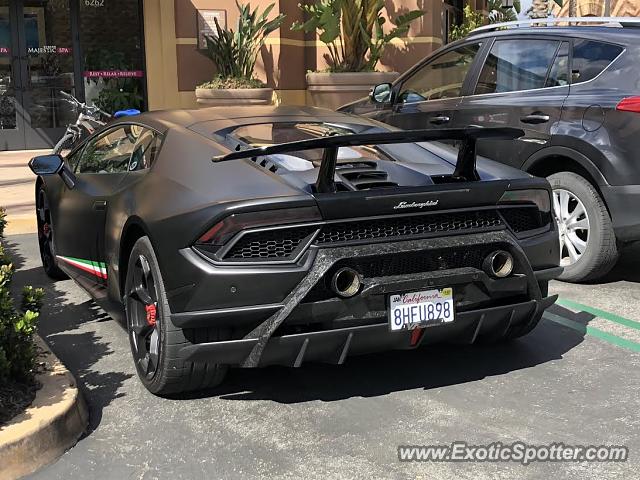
(46, 164)
(381, 93)
(51, 165)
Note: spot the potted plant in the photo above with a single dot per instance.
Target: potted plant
(234, 54)
(354, 33)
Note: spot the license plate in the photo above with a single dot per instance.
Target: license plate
(420, 309)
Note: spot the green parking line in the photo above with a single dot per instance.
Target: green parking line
(599, 313)
(594, 332)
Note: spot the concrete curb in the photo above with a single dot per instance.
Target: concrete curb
(52, 424)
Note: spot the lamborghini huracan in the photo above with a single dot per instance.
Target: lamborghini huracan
(250, 236)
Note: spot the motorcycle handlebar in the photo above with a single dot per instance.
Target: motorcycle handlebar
(89, 109)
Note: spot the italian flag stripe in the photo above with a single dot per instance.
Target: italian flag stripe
(99, 269)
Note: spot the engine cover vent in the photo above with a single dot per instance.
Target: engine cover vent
(364, 176)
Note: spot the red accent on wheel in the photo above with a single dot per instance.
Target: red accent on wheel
(151, 314)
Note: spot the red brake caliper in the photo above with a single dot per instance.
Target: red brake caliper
(151, 314)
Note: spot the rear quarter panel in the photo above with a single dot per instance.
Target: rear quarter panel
(183, 194)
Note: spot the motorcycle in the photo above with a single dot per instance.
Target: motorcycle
(90, 118)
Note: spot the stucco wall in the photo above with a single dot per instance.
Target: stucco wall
(285, 58)
(595, 8)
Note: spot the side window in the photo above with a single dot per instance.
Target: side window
(72, 158)
(591, 58)
(110, 152)
(514, 65)
(441, 78)
(559, 73)
(145, 150)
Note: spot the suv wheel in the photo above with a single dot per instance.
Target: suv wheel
(588, 247)
(156, 343)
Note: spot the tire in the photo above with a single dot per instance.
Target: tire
(65, 142)
(162, 370)
(601, 252)
(45, 238)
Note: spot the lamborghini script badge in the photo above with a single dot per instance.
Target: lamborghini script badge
(428, 203)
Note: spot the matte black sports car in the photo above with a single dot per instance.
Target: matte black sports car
(280, 235)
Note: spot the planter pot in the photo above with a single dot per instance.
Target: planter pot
(209, 97)
(332, 90)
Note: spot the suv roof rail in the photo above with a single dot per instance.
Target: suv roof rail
(550, 21)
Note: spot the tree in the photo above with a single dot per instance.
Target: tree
(540, 8)
(470, 21)
(497, 14)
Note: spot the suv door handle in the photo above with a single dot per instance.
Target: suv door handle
(439, 120)
(535, 118)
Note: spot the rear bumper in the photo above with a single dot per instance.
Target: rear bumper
(622, 202)
(333, 346)
(308, 326)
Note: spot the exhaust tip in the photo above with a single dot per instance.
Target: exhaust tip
(499, 264)
(346, 282)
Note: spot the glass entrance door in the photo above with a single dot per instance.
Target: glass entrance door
(11, 120)
(36, 62)
(93, 50)
(47, 68)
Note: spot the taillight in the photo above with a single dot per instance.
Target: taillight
(629, 104)
(222, 231)
(526, 210)
(538, 196)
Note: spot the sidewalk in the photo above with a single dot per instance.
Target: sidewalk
(16, 190)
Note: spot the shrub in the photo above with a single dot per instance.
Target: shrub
(470, 21)
(235, 52)
(17, 327)
(353, 31)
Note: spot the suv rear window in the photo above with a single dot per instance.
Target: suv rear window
(514, 65)
(590, 58)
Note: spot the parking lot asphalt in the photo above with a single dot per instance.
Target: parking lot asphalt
(574, 380)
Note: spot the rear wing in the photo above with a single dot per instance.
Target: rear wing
(465, 165)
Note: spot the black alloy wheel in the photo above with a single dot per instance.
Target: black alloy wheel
(156, 343)
(142, 317)
(45, 238)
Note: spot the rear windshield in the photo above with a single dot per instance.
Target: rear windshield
(264, 134)
(590, 58)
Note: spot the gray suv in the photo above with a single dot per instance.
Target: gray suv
(575, 91)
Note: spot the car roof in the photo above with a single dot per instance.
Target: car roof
(208, 120)
(592, 32)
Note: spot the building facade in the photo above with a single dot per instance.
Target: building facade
(597, 8)
(147, 54)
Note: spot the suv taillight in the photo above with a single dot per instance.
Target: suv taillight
(629, 104)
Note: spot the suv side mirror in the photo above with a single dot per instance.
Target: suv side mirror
(46, 164)
(51, 165)
(381, 93)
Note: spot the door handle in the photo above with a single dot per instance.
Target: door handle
(100, 205)
(535, 118)
(439, 120)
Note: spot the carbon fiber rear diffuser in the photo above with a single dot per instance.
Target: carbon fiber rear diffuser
(326, 258)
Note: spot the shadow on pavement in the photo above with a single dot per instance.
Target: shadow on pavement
(383, 373)
(63, 326)
(66, 328)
